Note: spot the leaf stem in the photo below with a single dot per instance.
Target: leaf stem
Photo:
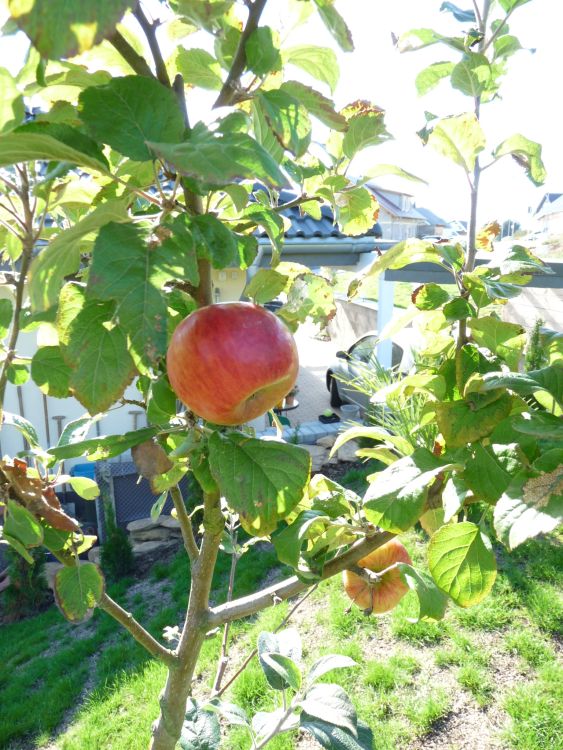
(149, 29)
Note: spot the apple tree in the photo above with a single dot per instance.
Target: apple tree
(158, 149)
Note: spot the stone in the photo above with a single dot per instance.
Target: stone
(142, 524)
(168, 522)
(95, 554)
(327, 441)
(150, 535)
(348, 451)
(147, 548)
(318, 455)
(51, 569)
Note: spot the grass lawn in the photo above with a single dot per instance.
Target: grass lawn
(489, 675)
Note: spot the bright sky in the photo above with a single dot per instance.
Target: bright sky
(531, 101)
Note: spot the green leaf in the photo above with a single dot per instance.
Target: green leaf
(458, 309)
(459, 138)
(461, 423)
(62, 256)
(214, 241)
(234, 715)
(530, 506)
(18, 374)
(206, 14)
(506, 340)
(288, 543)
(526, 153)
(364, 130)
(395, 499)
(55, 539)
(77, 591)
(125, 268)
(262, 480)
(432, 602)
(335, 24)
(472, 76)
(331, 704)
(517, 260)
(265, 285)
(24, 147)
(18, 546)
(98, 448)
(23, 426)
(326, 664)
(287, 118)
(60, 29)
(50, 372)
(98, 355)
(506, 45)
(130, 111)
(539, 425)
(6, 308)
(12, 109)
(69, 136)
(317, 104)
(157, 507)
(462, 563)
(490, 469)
(332, 737)
(508, 5)
(391, 169)
(262, 54)
(22, 525)
(356, 211)
(400, 255)
(549, 379)
(319, 62)
(310, 296)
(430, 296)
(200, 730)
(431, 76)
(199, 68)
(220, 159)
(373, 433)
(285, 667)
(84, 487)
(286, 643)
(161, 401)
(273, 225)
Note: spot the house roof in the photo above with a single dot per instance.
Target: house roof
(393, 208)
(431, 217)
(553, 206)
(304, 226)
(550, 199)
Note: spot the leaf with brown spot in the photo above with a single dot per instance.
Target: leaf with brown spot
(151, 461)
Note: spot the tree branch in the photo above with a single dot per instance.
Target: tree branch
(229, 90)
(138, 632)
(130, 55)
(185, 524)
(149, 30)
(250, 605)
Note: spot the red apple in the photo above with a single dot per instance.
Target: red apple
(231, 362)
(378, 595)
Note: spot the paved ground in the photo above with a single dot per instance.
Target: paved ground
(315, 355)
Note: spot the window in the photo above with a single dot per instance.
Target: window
(364, 349)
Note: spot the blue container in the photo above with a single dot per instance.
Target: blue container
(84, 470)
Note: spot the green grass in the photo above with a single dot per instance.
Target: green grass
(403, 685)
(535, 712)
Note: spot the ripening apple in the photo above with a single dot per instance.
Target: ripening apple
(380, 595)
(229, 363)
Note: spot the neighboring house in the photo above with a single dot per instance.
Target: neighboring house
(433, 224)
(549, 214)
(458, 227)
(398, 217)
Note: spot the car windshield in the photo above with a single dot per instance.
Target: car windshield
(364, 349)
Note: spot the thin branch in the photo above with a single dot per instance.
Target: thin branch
(27, 252)
(229, 90)
(9, 184)
(138, 632)
(253, 653)
(149, 30)
(130, 55)
(185, 524)
(224, 657)
(290, 587)
(13, 214)
(11, 229)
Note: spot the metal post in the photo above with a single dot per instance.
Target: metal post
(384, 315)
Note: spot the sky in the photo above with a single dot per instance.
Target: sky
(376, 71)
